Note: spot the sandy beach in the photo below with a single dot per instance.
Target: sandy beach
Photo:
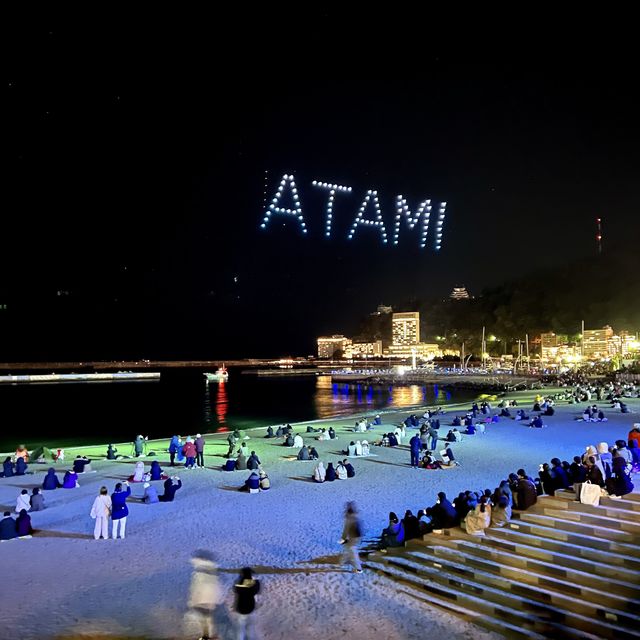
(64, 584)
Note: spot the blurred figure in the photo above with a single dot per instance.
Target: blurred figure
(205, 592)
(246, 589)
(351, 536)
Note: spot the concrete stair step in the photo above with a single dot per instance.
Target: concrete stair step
(561, 565)
(581, 535)
(624, 503)
(605, 626)
(523, 536)
(511, 622)
(571, 505)
(595, 596)
(600, 520)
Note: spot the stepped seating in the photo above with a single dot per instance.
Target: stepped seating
(558, 570)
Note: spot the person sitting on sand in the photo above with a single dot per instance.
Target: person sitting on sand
(70, 480)
(288, 441)
(111, 452)
(324, 435)
(8, 468)
(365, 448)
(8, 527)
(298, 442)
(393, 535)
(21, 467)
(332, 433)
(23, 501)
(358, 448)
(36, 500)
(253, 462)
(150, 495)
(269, 432)
(241, 462)
(393, 441)
(244, 449)
(81, 464)
(156, 471)
(138, 474)
(456, 422)
(319, 473)
(313, 453)
(265, 483)
(351, 472)
(51, 481)
(310, 429)
(23, 524)
(330, 475)
(279, 432)
(351, 449)
(341, 471)
(505, 413)
(170, 488)
(303, 454)
(252, 483)
(536, 423)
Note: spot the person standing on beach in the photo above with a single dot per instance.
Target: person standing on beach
(200, 442)
(119, 510)
(351, 536)
(205, 593)
(100, 511)
(415, 444)
(246, 589)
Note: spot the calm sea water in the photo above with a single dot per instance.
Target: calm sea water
(67, 414)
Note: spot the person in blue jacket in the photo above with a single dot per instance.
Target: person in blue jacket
(170, 489)
(8, 529)
(23, 524)
(119, 509)
(51, 481)
(21, 467)
(252, 482)
(156, 471)
(174, 447)
(8, 468)
(415, 446)
(331, 473)
(393, 535)
(70, 480)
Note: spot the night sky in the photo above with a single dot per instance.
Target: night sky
(135, 181)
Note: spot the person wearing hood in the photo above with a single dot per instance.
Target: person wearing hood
(330, 475)
(111, 452)
(253, 462)
(252, 483)
(23, 501)
(156, 471)
(36, 500)
(119, 510)
(246, 589)
(174, 447)
(170, 489)
(341, 471)
(319, 473)
(592, 452)
(443, 513)
(200, 443)
(265, 483)
(8, 468)
(351, 472)
(351, 536)
(8, 529)
(365, 448)
(606, 459)
(298, 442)
(23, 524)
(620, 483)
(21, 466)
(51, 481)
(526, 490)
(393, 535)
(560, 477)
(269, 432)
(189, 451)
(205, 592)
(358, 448)
(279, 432)
(393, 441)
(100, 512)
(138, 473)
(411, 525)
(150, 495)
(70, 480)
(303, 454)
(138, 446)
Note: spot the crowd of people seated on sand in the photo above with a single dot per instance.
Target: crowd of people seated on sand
(342, 471)
(608, 467)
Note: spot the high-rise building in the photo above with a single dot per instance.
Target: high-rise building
(366, 349)
(596, 342)
(405, 329)
(459, 293)
(552, 345)
(328, 346)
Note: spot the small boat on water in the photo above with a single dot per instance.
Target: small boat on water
(221, 375)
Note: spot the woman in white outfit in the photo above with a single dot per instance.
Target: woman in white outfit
(138, 474)
(101, 510)
(23, 501)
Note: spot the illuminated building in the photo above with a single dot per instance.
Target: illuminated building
(366, 349)
(328, 346)
(553, 345)
(459, 293)
(596, 343)
(405, 329)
